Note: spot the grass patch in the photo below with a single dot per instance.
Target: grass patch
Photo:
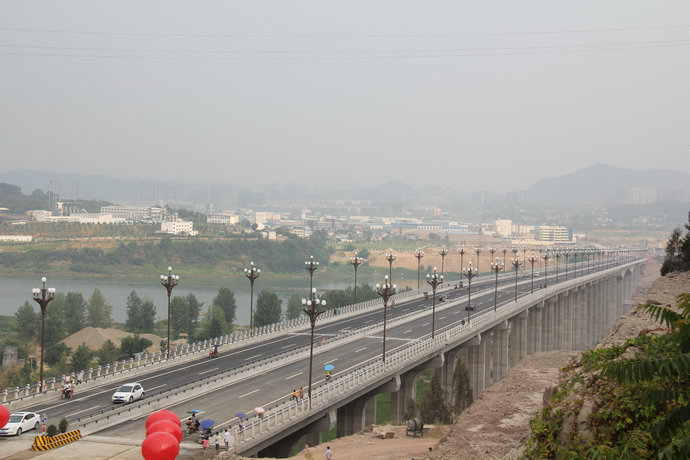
(383, 408)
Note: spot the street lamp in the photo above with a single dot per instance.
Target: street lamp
(505, 251)
(433, 280)
(442, 252)
(169, 281)
(546, 256)
(43, 296)
(491, 250)
(477, 250)
(532, 259)
(575, 254)
(418, 255)
(462, 256)
(311, 308)
(251, 273)
(469, 274)
(386, 292)
(566, 254)
(390, 257)
(557, 255)
(516, 265)
(496, 267)
(311, 265)
(355, 261)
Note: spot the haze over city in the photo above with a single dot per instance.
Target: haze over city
(460, 94)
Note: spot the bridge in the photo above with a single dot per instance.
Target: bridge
(263, 368)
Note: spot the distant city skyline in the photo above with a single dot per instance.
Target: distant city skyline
(465, 96)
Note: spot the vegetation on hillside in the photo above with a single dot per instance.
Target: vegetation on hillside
(677, 251)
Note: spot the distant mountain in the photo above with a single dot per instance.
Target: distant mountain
(602, 184)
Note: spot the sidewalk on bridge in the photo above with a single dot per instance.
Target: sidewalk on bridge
(91, 447)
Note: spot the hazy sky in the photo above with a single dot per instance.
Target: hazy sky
(469, 94)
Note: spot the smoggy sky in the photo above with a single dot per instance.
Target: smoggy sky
(478, 95)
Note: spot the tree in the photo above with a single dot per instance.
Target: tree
(225, 299)
(107, 353)
(28, 321)
(462, 389)
(55, 329)
(268, 308)
(75, 312)
(214, 324)
(433, 406)
(294, 307)
(129, 346)
(98, 312)
(55, 352)
(81, 358)
(677, 251)
(141, 314)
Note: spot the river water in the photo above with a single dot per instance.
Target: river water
(15, 290)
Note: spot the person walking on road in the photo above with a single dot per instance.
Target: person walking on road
(204, 444)
(216, 440)
(329, 453)
(301, 393)
(226, 438)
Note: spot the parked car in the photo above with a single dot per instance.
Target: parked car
(129, 392)
(20, 422)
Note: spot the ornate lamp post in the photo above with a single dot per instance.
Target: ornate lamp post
(557, 255)
(355, 261)
(311, 308)
(575, 254)
(386, 292)
(492, 251)
(532, 259)
(418, 255)
(442, 252)
(43, 296)
(469, 274)
(546, 256)
(462, 256)
(311, 265)
(566, 254)
(477, 250)
(524, 251)
(496, 267)
(433, 280)
(516, 265)
(505, 251)
(251, 273)
(390, 257)
(169, 281)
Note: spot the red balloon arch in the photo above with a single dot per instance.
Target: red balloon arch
(160, 446)
(4, 416)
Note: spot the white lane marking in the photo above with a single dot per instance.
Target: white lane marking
(252, 357)
(94, 408)
(442, 317)
(363, 348)
(287, 346)
(247, 394)
(409, 330)
(293, 376)
(426, 324)
(327, 362)
(210, 370)
(370, 321)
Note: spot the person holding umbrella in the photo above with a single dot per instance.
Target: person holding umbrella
(329, 368)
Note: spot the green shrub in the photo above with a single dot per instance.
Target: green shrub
(62, 426)
(51, 430)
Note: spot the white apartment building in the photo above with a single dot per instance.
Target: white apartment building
(178, 227)
(225, 219)
(555, 233)
(504, 227)
(135, 213)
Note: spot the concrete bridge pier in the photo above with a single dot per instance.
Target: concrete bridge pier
(354, 416)
(619, 296)
(499, 351)
(310, 435)
(534, 324)
(477, 362)
(447, 371)
(518, 337)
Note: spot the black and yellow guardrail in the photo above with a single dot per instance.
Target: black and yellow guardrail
(51, 442)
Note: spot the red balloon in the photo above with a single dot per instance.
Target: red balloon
(165, 426)
(160, 446)
(4, 416)
(162, 414)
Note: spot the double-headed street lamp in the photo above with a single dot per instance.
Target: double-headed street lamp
(390, 257)
(169, 281)
(442, 252)
(496, 267)
(477, 250)
(492, 251)
(462, 256)
(469, 274)
(532, 259)
(546, 256)
(311, 265)
(516, 265)
(434, 280)
(386, 291)
(252, 273)
(505, 251)
(43, 296)
(418, 253)
(355, 261)
(311, 308)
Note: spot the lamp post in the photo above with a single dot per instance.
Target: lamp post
(252, 273)
(355, 261)
(557, 255)
(43, 296)
(390, 257)
(469, 274)
(566, 254)
(442, 252)
(433, 280)
(575, 254)
(546, 256)
(169, 281)
(505, 251)
(386, 291)
(516, 265)
(492, 251)
(524, 251)
(477, 250)
(311, 265)
(418, 255)
(311, 308)
(462, 256)
(532, 259)
(496, 267)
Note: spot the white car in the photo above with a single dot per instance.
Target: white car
(128, 393)
(20, 422)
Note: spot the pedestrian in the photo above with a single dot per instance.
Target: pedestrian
(295, 395)
(301, 393)
(80, 377)
(329, 453)
(216, 440)
(204, 443)
(226, 438)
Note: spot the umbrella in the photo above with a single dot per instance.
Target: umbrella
(206, 424)
(259, 410)
(241, 415)
(329, 367)
(194, 411)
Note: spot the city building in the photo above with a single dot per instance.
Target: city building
(555, 234)
(135, 213)
(178, 227)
